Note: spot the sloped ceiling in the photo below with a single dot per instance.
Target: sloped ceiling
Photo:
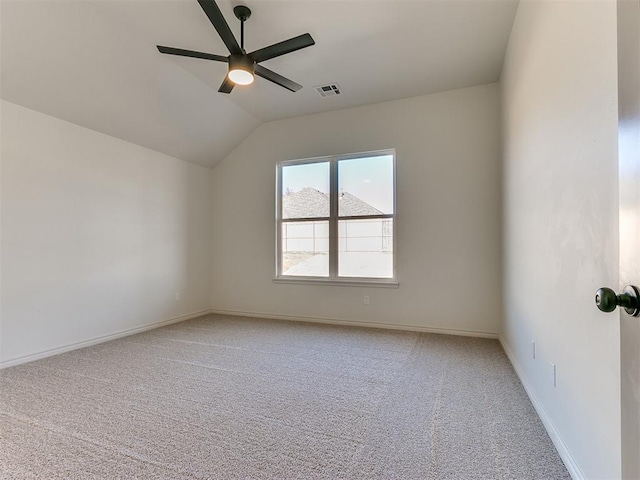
(94, 63)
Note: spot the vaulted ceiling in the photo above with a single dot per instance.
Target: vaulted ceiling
(94, 63)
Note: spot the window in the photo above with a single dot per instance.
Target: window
(336, 219)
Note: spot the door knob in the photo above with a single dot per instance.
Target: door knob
(607, 300)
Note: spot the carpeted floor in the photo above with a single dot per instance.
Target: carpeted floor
(233, 398)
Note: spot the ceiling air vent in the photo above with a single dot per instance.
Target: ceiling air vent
(330, 90)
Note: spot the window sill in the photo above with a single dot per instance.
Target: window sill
(359, 282)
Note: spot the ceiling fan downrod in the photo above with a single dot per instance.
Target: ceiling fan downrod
(242, 13)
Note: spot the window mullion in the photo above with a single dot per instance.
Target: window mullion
(333, 221)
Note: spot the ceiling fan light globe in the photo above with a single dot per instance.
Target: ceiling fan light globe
(241, 77)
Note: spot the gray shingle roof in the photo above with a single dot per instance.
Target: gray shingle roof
(309, 203)
(351, 206)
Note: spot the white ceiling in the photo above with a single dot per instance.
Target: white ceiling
(94, 63)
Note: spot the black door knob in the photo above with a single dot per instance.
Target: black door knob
(607, 300)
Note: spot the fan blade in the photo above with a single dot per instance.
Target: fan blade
(191, 53)
(277, 79)
(227, 86)
(216, 18)
(288, 46)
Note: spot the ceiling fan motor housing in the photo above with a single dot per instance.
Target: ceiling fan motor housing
(239, 61)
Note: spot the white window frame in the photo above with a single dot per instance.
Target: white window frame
(333, 218)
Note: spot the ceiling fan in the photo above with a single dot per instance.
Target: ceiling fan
(242, 65)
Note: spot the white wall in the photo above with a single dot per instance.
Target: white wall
(448, 204)
(561, 231)
(97, 234)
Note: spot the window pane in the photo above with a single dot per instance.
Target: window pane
(305, 190)
(365, 248)
(305, 249)
(365, 186)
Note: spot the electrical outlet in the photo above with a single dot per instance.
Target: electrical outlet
(366, 299)
(177, 296)
(554, 374)
(533, 349)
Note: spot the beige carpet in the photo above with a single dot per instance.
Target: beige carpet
(226, 398)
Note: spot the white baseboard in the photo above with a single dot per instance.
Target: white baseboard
(357, 323)
(296, 318)
(554, 434)
(93, 341)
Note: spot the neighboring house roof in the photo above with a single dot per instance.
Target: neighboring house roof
(309, 203)
(351, 206)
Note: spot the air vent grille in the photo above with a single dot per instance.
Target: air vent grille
(330, 90)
